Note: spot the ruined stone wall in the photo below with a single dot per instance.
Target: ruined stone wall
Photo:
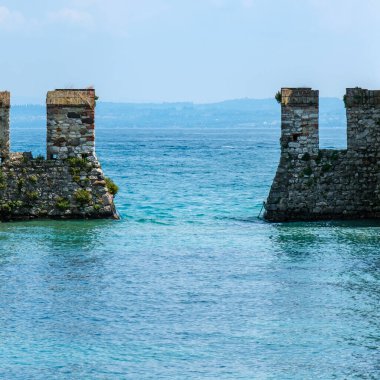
(37, 188)
(313, 183)
(70, 123)
(70, 182)
(4, 123)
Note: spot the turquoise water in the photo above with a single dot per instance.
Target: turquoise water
(189, 284)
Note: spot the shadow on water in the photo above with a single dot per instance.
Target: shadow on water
(353, 232)
(50, 237)
(58, 266)
(74, 232)
(298, 240)
(357, 223)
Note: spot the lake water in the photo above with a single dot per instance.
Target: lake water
(189, 284)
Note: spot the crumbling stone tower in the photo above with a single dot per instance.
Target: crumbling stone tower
(70, 183)
(313, 183)
(70, 123)
(4, 124)
(299, 121)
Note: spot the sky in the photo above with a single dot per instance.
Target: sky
(187, 50)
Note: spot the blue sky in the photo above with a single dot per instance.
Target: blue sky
(188, 50)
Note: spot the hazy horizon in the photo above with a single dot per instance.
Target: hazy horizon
(16, 102)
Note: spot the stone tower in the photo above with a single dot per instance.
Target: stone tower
(4, 124)
(299, 121)
(70, 123)
(363, 119)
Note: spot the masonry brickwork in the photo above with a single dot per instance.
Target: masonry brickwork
(317, 184)
(68, 184)
(70, 123)
(4, 124)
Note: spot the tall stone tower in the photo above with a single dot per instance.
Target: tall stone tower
(70, 123)
(299, 121)
(4, 124)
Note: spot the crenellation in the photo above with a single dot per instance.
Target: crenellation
(302, 97)
(313, 183)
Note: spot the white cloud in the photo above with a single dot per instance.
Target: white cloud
(10, 20)
(71, 16)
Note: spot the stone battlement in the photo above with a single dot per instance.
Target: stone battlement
(313, 183)
(5, 99)
(71, 98)
(70, 182)
(299, 96)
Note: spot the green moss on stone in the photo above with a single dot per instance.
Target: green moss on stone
(33, 178)
(111, 186)
(20, 184)
(3, 182)
(32, 195)
(82, 196)
(79, 163)
(8, 207)
(62, 204)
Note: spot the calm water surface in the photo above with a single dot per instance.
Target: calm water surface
(190, 284)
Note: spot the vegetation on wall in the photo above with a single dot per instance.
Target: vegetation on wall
(82, 196)
(62, 204)
(112, 187)
(278, 97)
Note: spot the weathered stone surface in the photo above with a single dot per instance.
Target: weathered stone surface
(4, 123)
(80, 97)
(36, 188)
(313, 183)
(72, 185)
(70, 123)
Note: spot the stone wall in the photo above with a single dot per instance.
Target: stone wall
(70, 182)
(70, 123)
(4, 123)
(37, 188)
(313, 183)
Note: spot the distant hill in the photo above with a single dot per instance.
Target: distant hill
(238, 113)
